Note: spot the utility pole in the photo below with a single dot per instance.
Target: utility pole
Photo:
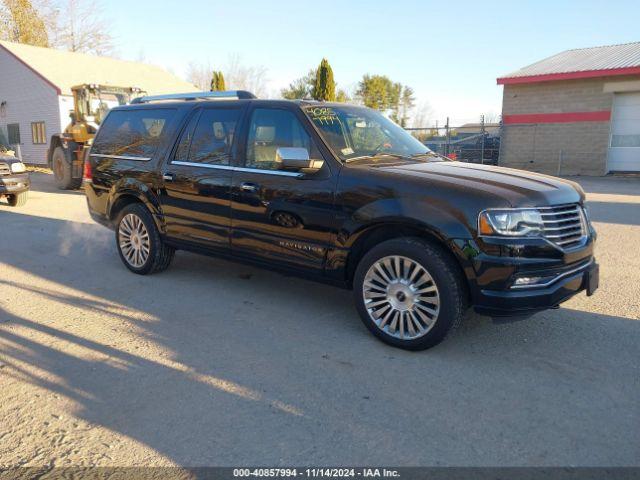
(482, 142)
(448, 138)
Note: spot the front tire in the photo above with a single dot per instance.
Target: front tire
(18, 199)
(138, 241)
(62, 171)
(409, 293)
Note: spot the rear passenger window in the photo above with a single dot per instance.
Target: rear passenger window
(211, 140)
(132, 133)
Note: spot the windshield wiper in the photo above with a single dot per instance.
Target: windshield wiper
(376, 155)
(396, 155)
(425, 154)
(353, 159)
(429, 154)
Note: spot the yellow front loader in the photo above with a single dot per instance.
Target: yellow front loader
(91, 103)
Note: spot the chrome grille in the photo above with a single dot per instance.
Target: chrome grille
(5, 169)
(564, 225)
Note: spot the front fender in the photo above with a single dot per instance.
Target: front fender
(439, 219)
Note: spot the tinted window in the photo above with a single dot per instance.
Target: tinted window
(132, 132)
(270, 129)
(182, 151)
(212, 139)
(13, 129)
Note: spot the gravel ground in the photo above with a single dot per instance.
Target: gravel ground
(212, 363)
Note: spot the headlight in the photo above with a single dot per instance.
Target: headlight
(18, 167)
(510, 223)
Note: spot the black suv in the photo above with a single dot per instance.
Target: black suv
(341, 194)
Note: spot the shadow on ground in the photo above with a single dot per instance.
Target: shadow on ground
(226, 364)
(214, 363)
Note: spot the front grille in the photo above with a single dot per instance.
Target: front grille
(4, 169)
(564, 225)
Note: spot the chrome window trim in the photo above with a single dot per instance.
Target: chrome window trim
(555, 279)
(202, 165)
(122, 157)
(236, 169)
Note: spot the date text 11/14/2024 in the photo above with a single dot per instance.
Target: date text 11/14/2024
(316, 472)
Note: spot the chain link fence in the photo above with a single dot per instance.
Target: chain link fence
(471, 142)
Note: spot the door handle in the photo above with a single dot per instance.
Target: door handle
(249, 187)
(169, 176)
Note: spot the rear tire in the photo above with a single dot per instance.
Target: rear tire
(138, 240)
(62, 171)
(409, 293)
(18, 199)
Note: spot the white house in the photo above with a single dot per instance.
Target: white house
(35, 90)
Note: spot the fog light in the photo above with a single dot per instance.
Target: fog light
(526, 281)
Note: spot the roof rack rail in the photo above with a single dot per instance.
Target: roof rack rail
(237, 94)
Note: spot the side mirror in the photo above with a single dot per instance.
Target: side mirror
(297, 159)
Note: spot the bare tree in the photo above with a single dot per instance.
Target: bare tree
(81, 27)
(241, 77)
(422, 118)
(200, 75)
(237, 76)
(491, 117)
(422, 115)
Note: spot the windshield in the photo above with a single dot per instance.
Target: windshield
(357, 132)
(101, 103)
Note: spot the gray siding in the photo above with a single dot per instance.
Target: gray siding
(29, 98)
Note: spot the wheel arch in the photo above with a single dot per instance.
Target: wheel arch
(56, 141)
(371, 235)
(134, 192)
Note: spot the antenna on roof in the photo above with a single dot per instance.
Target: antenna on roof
(237, 94)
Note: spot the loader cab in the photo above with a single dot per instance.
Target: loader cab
(91, 103)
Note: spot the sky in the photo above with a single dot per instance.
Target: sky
(450, 53)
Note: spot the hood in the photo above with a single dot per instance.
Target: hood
(518, 188)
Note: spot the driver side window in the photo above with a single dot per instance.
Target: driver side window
(273, 128)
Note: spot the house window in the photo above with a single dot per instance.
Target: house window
(38, 133)
(13, 130)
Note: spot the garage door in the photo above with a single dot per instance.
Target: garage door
(624, 152)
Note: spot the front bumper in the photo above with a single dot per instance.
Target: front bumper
(495, 266)
(523, 301)
(15, 183)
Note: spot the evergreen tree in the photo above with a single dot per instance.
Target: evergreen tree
(395, 90)
(217, 81)
(342, 96)
(407, 102)
(375, 92)
(301, 87)
(380, 93)
(221, 84)
(325, 87)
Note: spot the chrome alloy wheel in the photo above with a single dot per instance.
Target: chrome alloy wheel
(401, 297)
(134, 240)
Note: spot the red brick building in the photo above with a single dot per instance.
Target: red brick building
(577, 112)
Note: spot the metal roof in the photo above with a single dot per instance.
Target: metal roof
(581, 63)
(64, 69)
